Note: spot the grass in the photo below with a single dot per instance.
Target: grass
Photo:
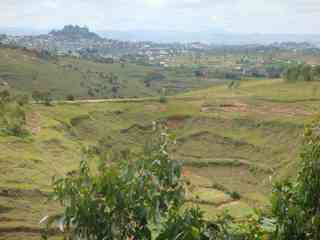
(25, 71)
(209, 196)
(236, 142)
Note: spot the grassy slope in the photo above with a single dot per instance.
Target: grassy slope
(236, 138)
(25, 71)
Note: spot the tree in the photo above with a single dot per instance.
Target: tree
(163, 98)
(296, 205)
(142, 199)
(70, 97)
(124, 200)
(138, 199)
(302, 72)
(306, 73)
(316, 72)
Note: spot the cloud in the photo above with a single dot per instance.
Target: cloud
(275, 16)
(51, 4)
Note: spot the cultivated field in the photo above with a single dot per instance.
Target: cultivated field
(233, 143)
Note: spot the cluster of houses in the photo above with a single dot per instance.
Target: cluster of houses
(80, 42)
(94, 47)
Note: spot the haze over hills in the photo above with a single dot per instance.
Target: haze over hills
(215, 36)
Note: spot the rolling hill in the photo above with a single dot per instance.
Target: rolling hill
(29, 71)
(229, 140)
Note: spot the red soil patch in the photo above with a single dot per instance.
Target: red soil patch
(185, 172)
(33, 123)
(176, 121)
(290, 111)
(261, 109)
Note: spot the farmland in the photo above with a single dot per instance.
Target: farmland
(27, 71)
(233, 143)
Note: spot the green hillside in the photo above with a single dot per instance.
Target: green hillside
(229, 140)
(29, 71)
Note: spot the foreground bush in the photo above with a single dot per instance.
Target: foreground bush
(296, 205)
(142, 199)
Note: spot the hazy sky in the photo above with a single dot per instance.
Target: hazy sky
(247, 16)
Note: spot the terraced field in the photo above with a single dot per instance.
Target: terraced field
(233, 145)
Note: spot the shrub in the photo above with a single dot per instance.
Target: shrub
(134, 199)
(70, 97)
(301, 72)
(296, 205)
(163, 99)
(124, 200)
(235, 195)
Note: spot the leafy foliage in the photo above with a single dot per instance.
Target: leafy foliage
(191, 226)
(143, 199)
(302, 72)
(296, 205)
(124, 200)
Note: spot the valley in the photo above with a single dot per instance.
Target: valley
(159, 120)
(234, 143)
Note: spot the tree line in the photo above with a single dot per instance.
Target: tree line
(302, 72)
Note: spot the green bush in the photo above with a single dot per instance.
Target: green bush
(70, 97)
(296, 205)
(235, 195)
(142, 198)
(124, 200)
(163, 99)
(302, 72)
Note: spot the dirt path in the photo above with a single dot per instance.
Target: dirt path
(260, 109)
(33, 122)
(123, 100)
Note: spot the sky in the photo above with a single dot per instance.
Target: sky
(240, 16)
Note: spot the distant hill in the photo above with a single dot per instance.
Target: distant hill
(217, 37)
(214, 36)
(71, 32)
